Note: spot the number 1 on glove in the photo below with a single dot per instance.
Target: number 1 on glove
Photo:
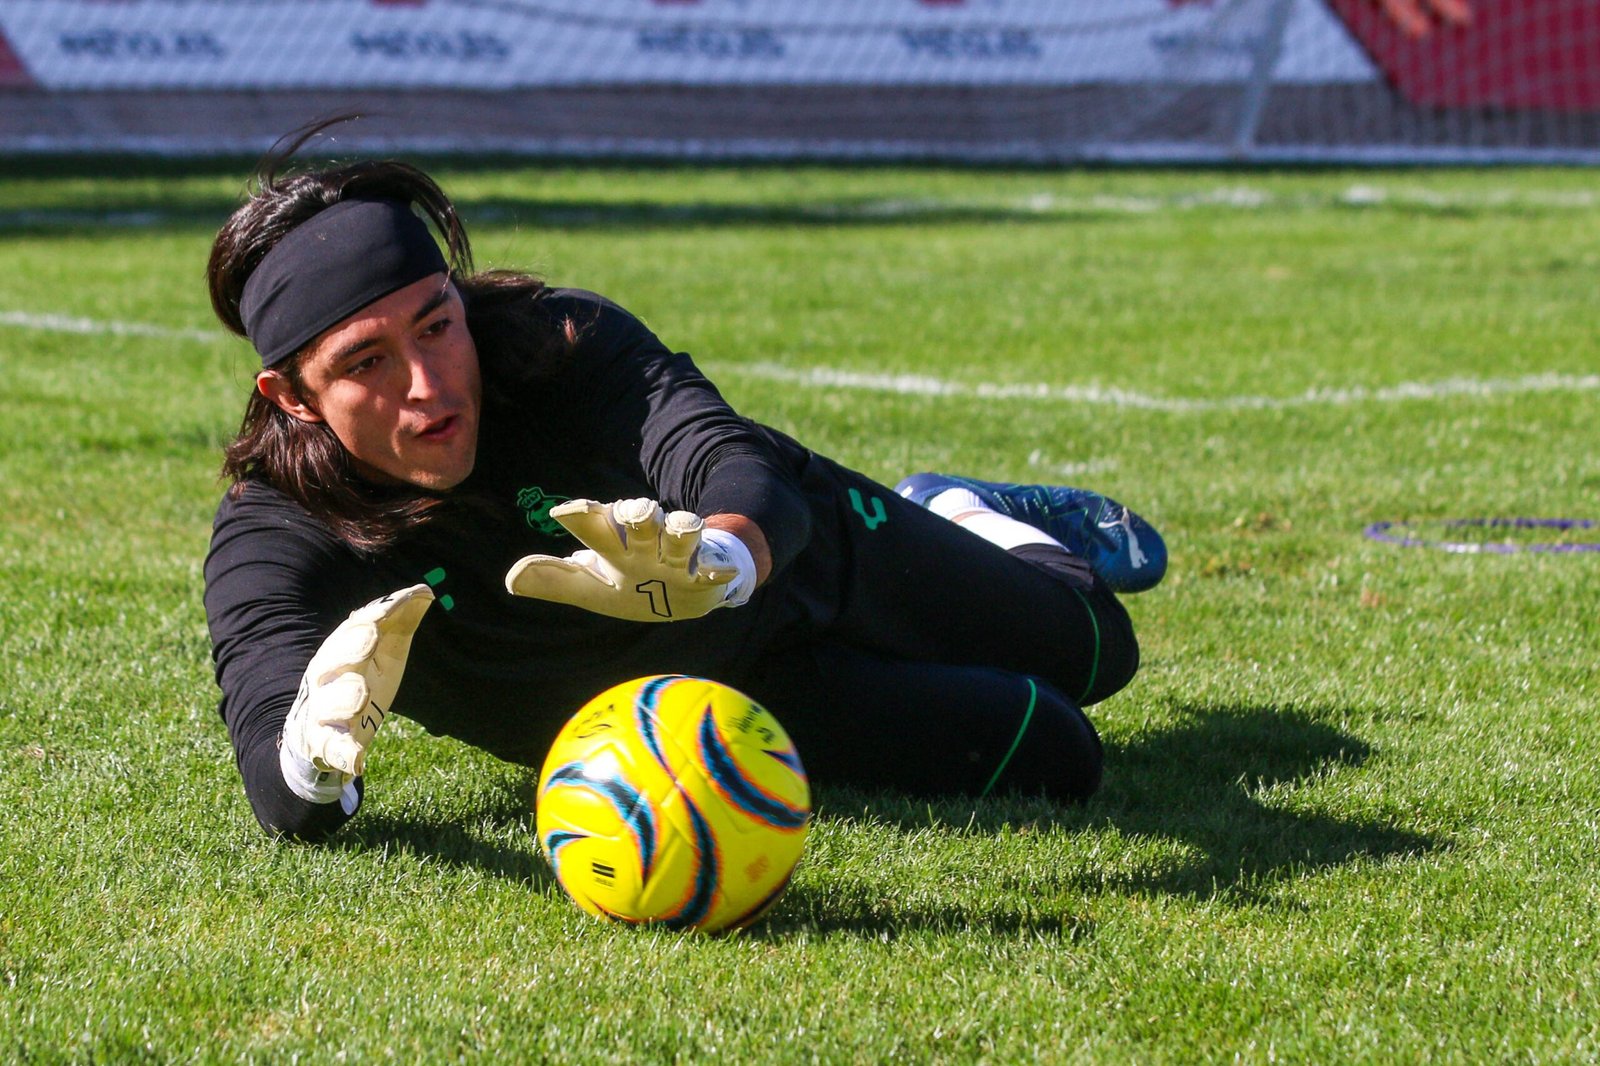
(346, 692)
(639, 565)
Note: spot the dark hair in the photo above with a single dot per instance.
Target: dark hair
(305, 460)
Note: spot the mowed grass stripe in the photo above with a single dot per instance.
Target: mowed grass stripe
(921, 385)
(1351, 800)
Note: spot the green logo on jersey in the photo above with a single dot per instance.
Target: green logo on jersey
(536, 504)
(433, 577)
(873, 517)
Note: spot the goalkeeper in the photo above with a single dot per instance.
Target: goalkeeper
(475, 501)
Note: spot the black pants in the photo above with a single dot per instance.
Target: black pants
(942, 664)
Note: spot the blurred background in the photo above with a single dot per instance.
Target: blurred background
(1016, 81)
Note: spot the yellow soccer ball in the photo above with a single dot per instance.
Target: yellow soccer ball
(676, 800)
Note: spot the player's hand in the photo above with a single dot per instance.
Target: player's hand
(637, 564)
(1417, 18)
(346, 694)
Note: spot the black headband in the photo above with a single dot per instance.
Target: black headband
(331, 266)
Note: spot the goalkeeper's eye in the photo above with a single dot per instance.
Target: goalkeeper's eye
(361, 366)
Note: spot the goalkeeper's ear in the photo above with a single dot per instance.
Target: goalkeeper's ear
(282, 393)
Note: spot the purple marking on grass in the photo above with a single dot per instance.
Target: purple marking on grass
(1379, 531)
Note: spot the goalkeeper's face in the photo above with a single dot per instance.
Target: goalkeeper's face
(398, 383)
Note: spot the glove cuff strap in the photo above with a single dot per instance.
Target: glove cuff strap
(734, 551)
(305, 780)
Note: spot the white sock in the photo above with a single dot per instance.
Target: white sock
(966, 509)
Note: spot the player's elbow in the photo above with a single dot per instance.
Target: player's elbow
(312, 826)
(285, 815)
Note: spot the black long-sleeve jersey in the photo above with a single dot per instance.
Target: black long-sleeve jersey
(881, 622)
(624, 417)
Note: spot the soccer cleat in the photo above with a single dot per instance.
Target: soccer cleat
(1119, 546)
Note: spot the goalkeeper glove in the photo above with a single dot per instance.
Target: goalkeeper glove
(346, 693)
(637, 565)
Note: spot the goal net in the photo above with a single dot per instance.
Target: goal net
(979, 80)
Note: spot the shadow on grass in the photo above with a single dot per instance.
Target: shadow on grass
(876, 919)
(173, 213)
(855, 909)
(1200, 784)
(509, 812)
(168, 206)
(450, 843)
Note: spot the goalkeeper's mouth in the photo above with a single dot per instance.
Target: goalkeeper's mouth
(440, 430)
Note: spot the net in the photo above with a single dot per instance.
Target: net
(971, 80)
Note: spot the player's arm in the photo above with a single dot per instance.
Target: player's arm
(640, 564)
(278, 589)
(633, 396)
(345, 695)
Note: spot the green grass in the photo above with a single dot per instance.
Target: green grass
(1352, 802)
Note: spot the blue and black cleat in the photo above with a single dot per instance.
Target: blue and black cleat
(1119, 546)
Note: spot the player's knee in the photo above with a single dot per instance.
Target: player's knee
(1118, 649)
(1059, 755)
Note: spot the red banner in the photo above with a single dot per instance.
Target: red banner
(13, 74)
(1515, 54)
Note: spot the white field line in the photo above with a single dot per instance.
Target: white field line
(923, 385)
(94, 326)
(1098, 396)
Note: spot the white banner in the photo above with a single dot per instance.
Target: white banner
(502, 44)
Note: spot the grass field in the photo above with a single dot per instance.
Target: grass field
(1352, 805)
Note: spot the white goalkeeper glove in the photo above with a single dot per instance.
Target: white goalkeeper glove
(346, 693)
(638, 565)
